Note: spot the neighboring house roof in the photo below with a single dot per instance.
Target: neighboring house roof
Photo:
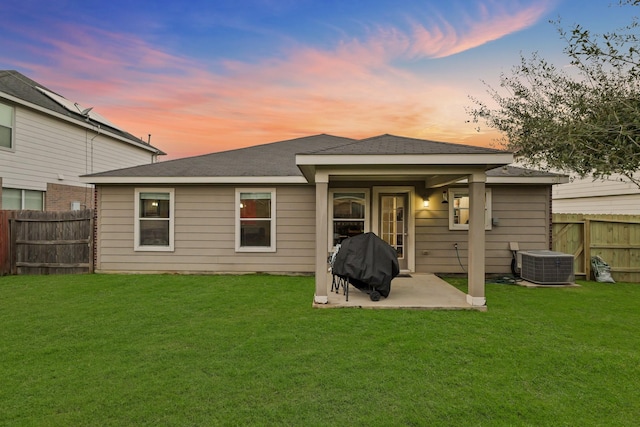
(20, 88)
(508, 174)
(287, 161)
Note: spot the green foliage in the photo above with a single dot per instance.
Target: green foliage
(250, 350)
(584, 120)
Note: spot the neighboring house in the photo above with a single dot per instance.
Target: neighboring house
(281, 207)
(47, 142)
(588, 196)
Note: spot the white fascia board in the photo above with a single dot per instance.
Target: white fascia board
(403, 159)
(193, 180)
(59, 116)
(372, 172)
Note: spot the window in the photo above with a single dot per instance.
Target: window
(459, 209)
(16, 199)
(154, 212)
(348, 213)
(256, 220)
(6, 126)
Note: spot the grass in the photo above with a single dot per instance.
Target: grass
(250, 350)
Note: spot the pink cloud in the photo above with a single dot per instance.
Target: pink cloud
(352, 90)
(487, 21)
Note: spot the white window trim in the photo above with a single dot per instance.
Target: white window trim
(271, 248)
(487, 208)
(136, 228)
(411, 227)
(12, 143)
(367, 211)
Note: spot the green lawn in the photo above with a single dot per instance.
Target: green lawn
(250, 350)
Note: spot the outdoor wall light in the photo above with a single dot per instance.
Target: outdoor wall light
(425, 202)
(445, 197)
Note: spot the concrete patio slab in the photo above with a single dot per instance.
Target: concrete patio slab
(419, 291)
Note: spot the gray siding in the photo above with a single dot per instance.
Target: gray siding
(523, 217)
(205, 233)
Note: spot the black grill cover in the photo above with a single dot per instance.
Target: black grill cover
(368, 261)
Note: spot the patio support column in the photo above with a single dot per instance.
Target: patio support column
(476, 257)
(322, 190)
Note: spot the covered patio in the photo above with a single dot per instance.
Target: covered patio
(417, 291)
(391, 166)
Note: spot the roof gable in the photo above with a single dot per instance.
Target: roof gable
(398, 145)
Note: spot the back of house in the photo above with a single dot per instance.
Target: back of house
(282, 207)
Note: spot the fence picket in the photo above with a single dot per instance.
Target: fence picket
(34, 242)
(615, 238)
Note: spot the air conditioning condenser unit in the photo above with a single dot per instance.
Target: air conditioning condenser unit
(547, 267)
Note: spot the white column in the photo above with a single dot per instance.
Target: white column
(322, 190)
(476, 260)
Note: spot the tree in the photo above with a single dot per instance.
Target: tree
(585, 119)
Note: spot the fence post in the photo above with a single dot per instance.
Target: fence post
(12, 245)
(587, 247)
(91, 242)
(4, 243)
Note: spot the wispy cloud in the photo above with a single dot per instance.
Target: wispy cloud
(477, 24)
(353, 89)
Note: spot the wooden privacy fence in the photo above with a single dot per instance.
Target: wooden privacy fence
(615, 238)
(33, 242)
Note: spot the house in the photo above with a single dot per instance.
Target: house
(47, 142)
(603, 196)
(281, 208)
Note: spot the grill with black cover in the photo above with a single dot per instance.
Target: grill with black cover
(368, 263)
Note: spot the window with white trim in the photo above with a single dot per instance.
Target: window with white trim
(459, 209)
(154, 224)
(6, 126)
(255, 220)
(348, 212)
(16, 199)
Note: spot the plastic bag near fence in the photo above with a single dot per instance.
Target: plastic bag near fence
(601, 270)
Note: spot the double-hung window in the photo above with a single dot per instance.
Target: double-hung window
(348, 213)
(16, 199)
(154, 218)
(255, 220)
(459, 209)
(6, 126)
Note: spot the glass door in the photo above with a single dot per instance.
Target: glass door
(393, 224)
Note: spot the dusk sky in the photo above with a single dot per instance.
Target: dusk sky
(205, 76)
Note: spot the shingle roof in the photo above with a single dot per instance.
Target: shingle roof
(392, 145)
(515, 171)
(278, 159)
(274, 159)
(20, 86)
